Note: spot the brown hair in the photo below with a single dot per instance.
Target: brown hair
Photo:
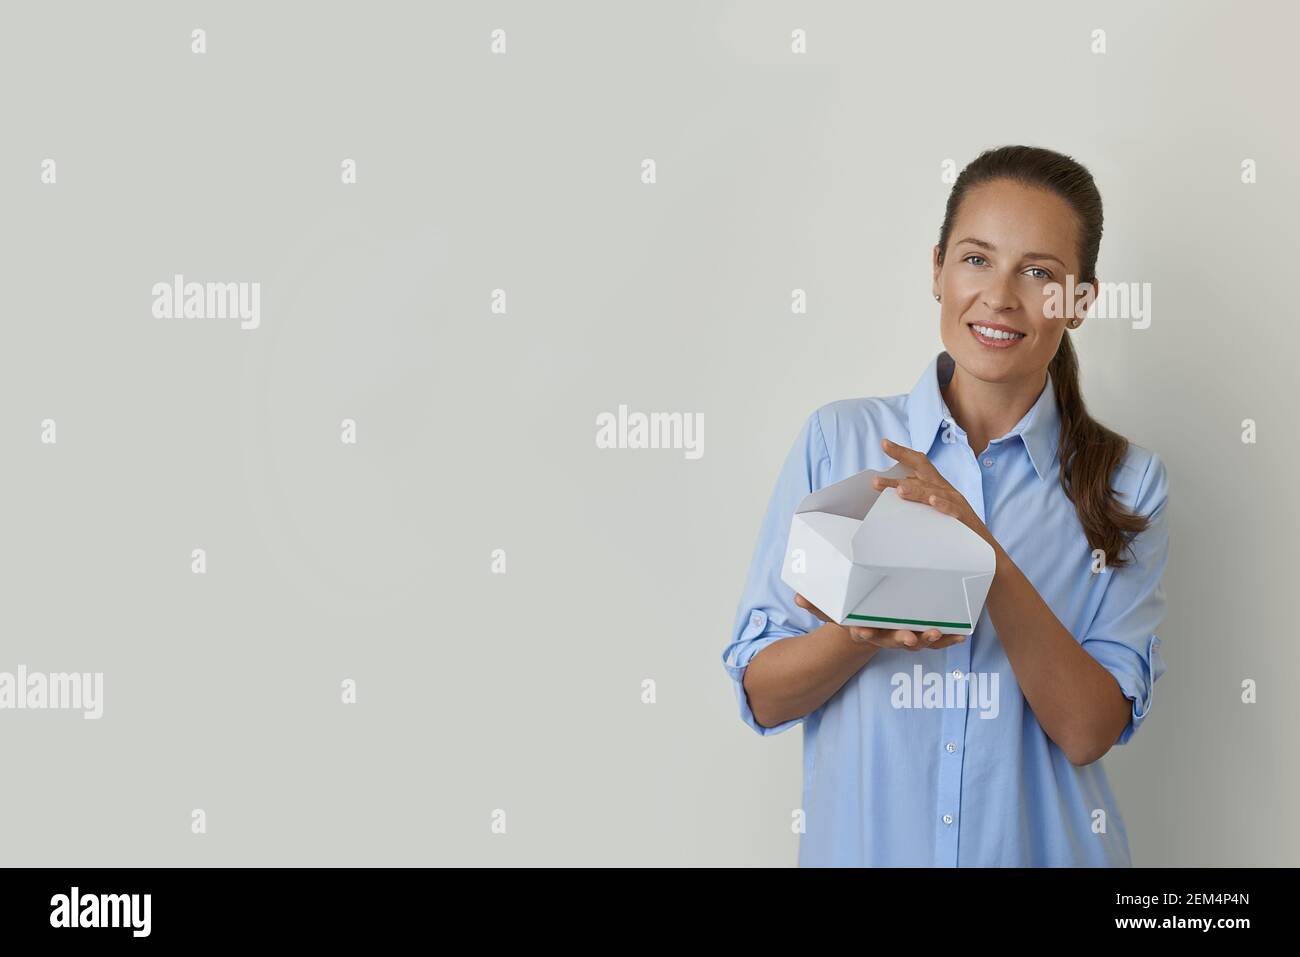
(1089, 452)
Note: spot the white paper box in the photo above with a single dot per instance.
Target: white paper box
(875, 560)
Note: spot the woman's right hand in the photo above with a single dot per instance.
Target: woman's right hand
(889, 637)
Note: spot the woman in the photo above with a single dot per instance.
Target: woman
(1061, 664)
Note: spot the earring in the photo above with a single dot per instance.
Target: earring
(937, 299)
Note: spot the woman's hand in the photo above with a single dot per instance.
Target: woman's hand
(888, 637)
(928, 486)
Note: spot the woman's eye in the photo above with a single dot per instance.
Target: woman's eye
(1042, 273)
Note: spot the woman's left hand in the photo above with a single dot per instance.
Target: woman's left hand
(928, 486)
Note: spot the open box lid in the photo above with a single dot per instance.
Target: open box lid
(897, 533)
(851, 497)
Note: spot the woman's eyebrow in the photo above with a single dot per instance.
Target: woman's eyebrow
(991, 248)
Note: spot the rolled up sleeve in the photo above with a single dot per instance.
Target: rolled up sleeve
(1122, 636)
(767, 611)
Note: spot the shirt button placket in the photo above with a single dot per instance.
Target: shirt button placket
(950, 768)
(953, 726)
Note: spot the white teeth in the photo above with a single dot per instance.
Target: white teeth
(988, 333)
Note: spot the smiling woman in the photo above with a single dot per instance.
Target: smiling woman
(995, 434)
(1029, 220)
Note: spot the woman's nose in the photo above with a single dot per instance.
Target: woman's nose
(999, 294)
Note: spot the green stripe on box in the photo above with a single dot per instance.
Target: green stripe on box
(914, 621)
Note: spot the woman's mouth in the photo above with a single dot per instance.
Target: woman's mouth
(994, 338)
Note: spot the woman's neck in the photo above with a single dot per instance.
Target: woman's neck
(989, 410)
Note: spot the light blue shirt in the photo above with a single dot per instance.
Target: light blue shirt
(900, 772)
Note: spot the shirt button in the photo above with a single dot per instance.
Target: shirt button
(951, 747)
(756, 618)
(956, 672)
(988, 463)
(947, 819)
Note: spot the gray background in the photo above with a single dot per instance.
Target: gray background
(522, 691)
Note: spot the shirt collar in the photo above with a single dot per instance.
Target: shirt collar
(1039, 429)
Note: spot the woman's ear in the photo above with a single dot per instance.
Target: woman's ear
(938, 268)
(1085, 294)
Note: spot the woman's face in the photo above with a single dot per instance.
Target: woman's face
(1008, 242)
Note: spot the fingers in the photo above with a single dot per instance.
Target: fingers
(936, 639)
(907, 487)
(909, 639)
(889, 638)
(947, 641)
(916, 489)
(917, 460)
(866, 636)
(943, 498)
(919, 490)
(942, 505)
(805, 603)
(930, 639)
(903, 639)
(913, 488)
